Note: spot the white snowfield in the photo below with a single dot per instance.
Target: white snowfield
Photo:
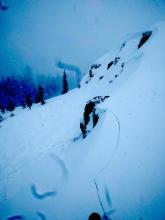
(49, 171)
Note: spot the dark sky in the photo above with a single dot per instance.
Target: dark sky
(40, 33)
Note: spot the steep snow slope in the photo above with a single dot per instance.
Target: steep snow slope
(47, 169)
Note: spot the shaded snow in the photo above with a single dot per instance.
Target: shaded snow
(124, 153)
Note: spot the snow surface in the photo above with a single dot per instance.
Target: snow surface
(47, 171)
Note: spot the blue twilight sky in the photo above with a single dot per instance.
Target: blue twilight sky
(40, 33)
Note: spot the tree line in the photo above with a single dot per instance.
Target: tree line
(23, 91)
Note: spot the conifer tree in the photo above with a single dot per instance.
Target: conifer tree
(40, 96)
(65, 84)
(11, 106)
(2, 107)
(28, 101)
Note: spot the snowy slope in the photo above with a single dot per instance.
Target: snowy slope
(47, 169)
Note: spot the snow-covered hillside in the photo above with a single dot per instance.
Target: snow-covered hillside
(50, 170)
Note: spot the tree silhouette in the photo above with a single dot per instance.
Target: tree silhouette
(40, 95)
(2, 107)
(65, 84)
(11, 106)
(28, 101)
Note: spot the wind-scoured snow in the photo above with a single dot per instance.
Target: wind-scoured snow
(49, 171)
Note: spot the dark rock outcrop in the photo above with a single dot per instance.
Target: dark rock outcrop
(145, 36)
(91, 114)
(109, 65)
(114, 62)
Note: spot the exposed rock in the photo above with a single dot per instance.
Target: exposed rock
(87, 111)
(144, 38)
(116, 60)
(91, 115)
(90, 73)
(109, 65)
(101, 77)
(95, 119)
(122, 65)
(95, 66)
(99, 99)
(122, 46)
